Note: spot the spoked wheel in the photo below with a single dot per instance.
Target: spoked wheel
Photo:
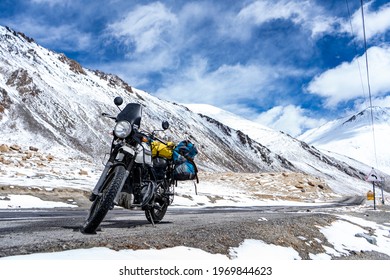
(105, 200)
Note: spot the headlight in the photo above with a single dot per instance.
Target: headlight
(122, 129)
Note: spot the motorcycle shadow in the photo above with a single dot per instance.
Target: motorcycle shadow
(130, 224)
(121, 225)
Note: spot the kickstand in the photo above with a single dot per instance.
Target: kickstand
(151, 218)
(196, 188)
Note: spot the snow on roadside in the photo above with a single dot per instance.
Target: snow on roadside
(28, 201)
(246, 251)
(355, 234)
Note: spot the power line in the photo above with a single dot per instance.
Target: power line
(368, 80)
(356, 48)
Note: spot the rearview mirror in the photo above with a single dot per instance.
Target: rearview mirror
(165, 125)
(118, 101)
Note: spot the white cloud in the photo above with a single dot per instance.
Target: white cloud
(290, 119)
(255, 12)
(52, 2)
(135, 70)
(239, 89)
(376, 22)
(151, 37)
(66, 37)
(304, 13)
(380, 101)
(343, 83)
(145, 27)
(226, 84)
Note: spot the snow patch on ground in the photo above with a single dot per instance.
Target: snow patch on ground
(28, 201)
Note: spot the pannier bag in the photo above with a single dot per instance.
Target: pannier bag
(184, 171)
(186, 149)
(183, 157)
(161, 150)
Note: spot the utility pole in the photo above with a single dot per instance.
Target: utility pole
(373, 177)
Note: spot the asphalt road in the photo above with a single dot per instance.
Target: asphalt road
(26, 231)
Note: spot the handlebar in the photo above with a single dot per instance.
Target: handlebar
(150, 135)
(158, 139)
(108, 116)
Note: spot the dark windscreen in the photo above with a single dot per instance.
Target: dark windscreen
(131, 113)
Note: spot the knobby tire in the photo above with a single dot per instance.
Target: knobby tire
(104, 201)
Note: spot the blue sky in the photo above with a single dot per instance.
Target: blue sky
(290, 65)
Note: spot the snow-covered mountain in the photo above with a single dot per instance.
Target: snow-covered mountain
(355, 136)
(51, 102)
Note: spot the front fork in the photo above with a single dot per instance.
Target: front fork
(99, 185)
(96, 190)
(109, 165)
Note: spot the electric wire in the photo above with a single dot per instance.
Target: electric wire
(368, 81)
(356, 50)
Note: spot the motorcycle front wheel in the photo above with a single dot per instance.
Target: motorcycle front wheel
(105, 200)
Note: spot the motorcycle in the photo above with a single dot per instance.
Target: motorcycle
(131, 178)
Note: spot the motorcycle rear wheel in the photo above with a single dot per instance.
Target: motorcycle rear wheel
(104, 201)
(156, 213)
